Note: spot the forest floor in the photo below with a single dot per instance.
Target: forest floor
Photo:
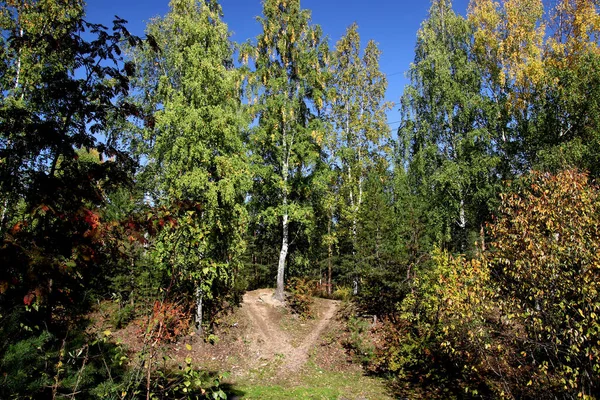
(265, 352)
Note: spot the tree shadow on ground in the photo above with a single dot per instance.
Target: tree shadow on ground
(231, 392)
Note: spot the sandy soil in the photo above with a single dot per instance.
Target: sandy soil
(269, 341)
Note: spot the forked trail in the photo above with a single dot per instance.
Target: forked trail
(268, 341)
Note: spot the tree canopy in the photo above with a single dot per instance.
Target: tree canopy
(162, 177)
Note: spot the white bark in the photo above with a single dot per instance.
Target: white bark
(279, 295)
(282, 256)
(199, 311)
(18, 63)
(462, 219)
(4, 207)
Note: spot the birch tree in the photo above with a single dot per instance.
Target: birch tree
(288, 87)
(446, 139)
(197, 155)
(359, 117)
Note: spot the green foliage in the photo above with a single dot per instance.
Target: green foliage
(545, 259)
(286, 90)
(568, 126)
(357, 145)
(23, 366)
(439, 337)
(122, 316)
(188, 383)
(518, 321)
(451, 157)
(197, 168)
(342, 293)
(357, 340)
(44, 367)
(56, 101)
(382, 269)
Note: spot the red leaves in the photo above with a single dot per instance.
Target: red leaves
(92, 219)
(169, 321)
(28, 299)
(17, 227)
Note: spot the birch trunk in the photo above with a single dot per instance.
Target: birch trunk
(462, 219)
(17, 78)
(4, 207)
(329, 254)
(285, 223)
(283, 253)
(199, 311)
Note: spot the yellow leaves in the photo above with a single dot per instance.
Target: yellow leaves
(576, 25)
(317, 136)
(509, 42)
(319, 103)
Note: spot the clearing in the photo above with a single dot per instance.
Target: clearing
(268, 353)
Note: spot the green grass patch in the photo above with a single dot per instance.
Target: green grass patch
(315, 383)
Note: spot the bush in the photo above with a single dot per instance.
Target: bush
(300, 297)
(123, 316)
(440, 337)
(342, 293)
(546, 259)
(358, 340)
(521, 319)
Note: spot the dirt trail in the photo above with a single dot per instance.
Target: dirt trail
(268, 341)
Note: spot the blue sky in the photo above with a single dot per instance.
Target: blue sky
(393, 24)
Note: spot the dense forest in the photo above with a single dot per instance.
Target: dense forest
(170, 173)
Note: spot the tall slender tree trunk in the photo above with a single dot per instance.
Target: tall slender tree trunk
(199, 310)
(3, 216)
(285, 240)
(282, 253)
(354, 235)
(329, 254)
(462, 219)
(17, 78)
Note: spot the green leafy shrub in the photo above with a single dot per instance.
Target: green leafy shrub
(440, 336)
(186, 383)
(342, 293)
(45, 366)
(518, 321)
(123, 316)
(546, 262)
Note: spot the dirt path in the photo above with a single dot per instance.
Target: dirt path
(268, 341)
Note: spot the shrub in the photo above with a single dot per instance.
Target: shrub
(123, 316)
(358, 340)
(546, 259)
(439, 338)
(300, 297)
(521, 319)
(342, 293)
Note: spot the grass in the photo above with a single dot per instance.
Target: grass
(313, 383)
